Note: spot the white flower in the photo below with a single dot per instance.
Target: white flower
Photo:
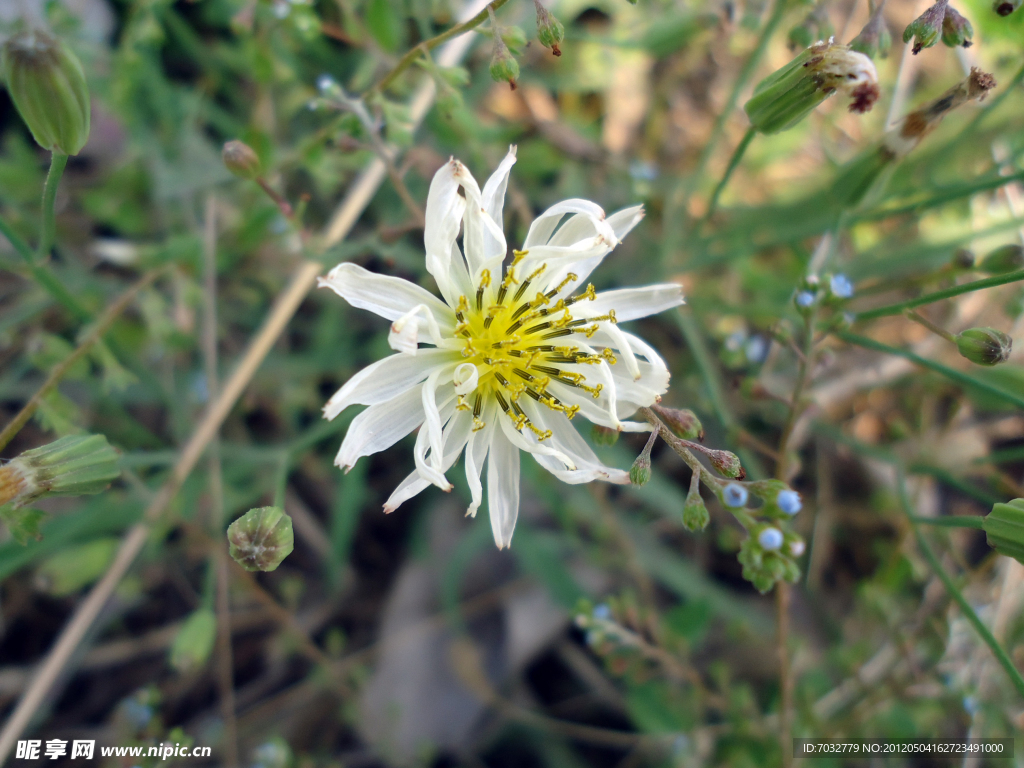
(517, 347)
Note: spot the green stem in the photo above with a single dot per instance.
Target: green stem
(977, 285)
(979, 626)
(429, 45)
(58, 161)
(938, 330)
(734, 161)
(676, 203)
(950, 373)
(950, 521)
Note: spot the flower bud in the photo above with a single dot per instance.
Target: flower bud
(76, 566)
(956, 30)
(261, 539)
(984, 346)
(797, 547)
(241, 160)
(727, 464)
(640, 472)
(504, 68)
(550, 31)
(1006, 258)
(874, 39)
(789, 502)
(682, 421)
(194, 642)
(964, 258)
(695, 513)
(840, 287)
(47, 85)
(1004, 529)
(734, 495)
(1006, 7)
(604, 435)
(72, 466)
(770, 539)
(785, 97)
(926, 28)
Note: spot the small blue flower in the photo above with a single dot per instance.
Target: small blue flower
(804, 299)
(770, 539)
(797, 548)
(789, 502)
(735, 340)
(602, 612)
(326, 83)
(734, 495)
(643, 171)
(970, 704)
(841, 286)
(756, 349)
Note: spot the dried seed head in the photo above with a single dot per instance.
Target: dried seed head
(956, 30)
(550, 31)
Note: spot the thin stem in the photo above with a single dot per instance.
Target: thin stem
(950, 373)
(283, 205)
(930, 298)
(58, 161)
(782, 469)
(734, 161)
(951, 521)
(677, 202)
(433, 42)
(979, 626)
(94, 335)
(920, 319)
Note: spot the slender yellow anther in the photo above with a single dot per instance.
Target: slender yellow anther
(478, 424)
(590, 330)
(608, 355)
(461, 404)
(541, 435)
(569, 278)
(563, 321)
(485, 278)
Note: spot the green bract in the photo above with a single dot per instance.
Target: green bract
(261, 539)
(984, 346)
(72, 466)
(47, 85)
(1004, 529)
(787, 96)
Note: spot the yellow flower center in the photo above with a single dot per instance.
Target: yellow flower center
(518, 340)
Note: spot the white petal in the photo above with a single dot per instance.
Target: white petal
(445, 207)
(465, 378)
(503, 489)
(544, 225)
(456, 433)
(476, 451)
(482, 238)
(380, 426)
(433, 422)
(494, 190)
(389, 297)
(620, 222)
(565, 437)
(633, 303)
(404, 333)
(384, 380)
(527, 441)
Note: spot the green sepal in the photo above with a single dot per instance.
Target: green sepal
(1004, 529)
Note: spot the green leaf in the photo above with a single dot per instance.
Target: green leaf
(385, 24)
(23, 523)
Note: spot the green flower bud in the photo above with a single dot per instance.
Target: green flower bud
(604, 435)
(504, 68)
(1004, 529)
(874, 40)
(550, 31)
(963, 258)
(72, 466)
(47, 85)
(1006, 258)
(194, 642)
(956, 30)
(640, 472)
(984, 346)
(261, 539)
(241, 160)
(75, 567)
(515, 38)
(787, 96)
(682, 421)
(695, 513)
(926, 28)
(727, 464)
(1006, 7)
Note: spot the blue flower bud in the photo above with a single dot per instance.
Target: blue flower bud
(841, 287)
(789, 502)
(602, 612)
(805, 299)
(770, 539)
(734, 495)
